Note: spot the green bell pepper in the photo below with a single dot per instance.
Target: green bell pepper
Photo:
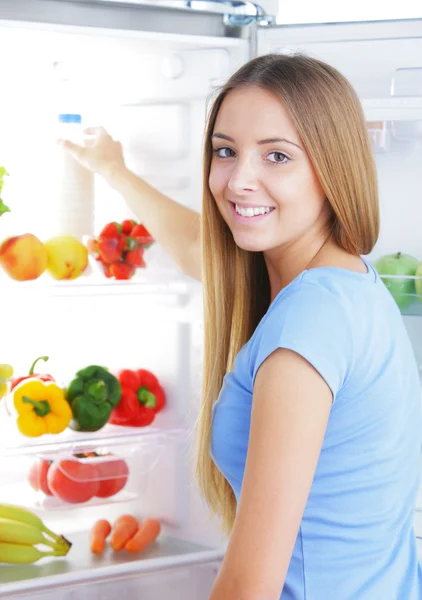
(92, 395)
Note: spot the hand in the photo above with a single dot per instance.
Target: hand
(100, 154)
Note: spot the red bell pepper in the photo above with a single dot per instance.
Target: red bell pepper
(142, 397)
(31, 374)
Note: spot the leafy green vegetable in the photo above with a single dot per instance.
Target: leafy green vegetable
(3, 207)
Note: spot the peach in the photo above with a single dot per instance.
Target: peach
(23, 257)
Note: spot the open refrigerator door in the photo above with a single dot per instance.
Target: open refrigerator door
(136, 71)
(382, 60)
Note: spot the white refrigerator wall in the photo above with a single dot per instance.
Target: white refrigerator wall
(151, 94)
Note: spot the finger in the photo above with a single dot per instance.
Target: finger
(78, 151)
(97, 131)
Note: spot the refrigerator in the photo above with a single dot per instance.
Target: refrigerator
(146, 71)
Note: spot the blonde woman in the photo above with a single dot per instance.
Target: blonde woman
(310, 426)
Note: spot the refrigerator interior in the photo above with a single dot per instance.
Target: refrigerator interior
(150, 92)
(383, 62)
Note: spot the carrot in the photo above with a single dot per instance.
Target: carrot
(123, 529)
(97, 536)
(147, 532)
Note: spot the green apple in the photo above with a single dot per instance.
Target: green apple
(402, 290)
(418, 282)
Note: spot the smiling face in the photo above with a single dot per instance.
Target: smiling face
(261, 177)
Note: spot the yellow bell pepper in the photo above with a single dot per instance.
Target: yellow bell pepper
(42, 408)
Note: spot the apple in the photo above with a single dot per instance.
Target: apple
(67, 257)
(418, 282)
(402, 289)
(23, 257)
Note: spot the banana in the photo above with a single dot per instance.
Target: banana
(22, 515)
(21, 554)
(16, 532)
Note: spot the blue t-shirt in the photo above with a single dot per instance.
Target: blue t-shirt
(356, 539)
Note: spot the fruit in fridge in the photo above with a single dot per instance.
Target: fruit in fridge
(73, 481)
(17, 532)
(142, 398)
(23, 554)
(37, 476)
(67, 257)
(92, 395)
(3, 207)
(21, 530)
(418, 282)
(23, 257)
(121, 270)
(6, 372)
(41, 408)
(401, 288)
(31, 374)
(113, 474)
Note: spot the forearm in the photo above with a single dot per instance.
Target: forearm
(229, 585)
(175, 227)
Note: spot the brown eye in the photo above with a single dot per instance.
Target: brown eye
(279, 158)
(223, 152)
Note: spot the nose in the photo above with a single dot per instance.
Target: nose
(243, 178)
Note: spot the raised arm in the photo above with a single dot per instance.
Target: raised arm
(175, 227)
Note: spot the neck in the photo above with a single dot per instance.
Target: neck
(285, 263)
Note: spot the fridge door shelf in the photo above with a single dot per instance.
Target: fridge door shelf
(80, 568)
(392, 120)
(393, 108)
(406, 291)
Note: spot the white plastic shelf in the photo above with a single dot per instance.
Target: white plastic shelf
(80, 566)
(13, 444)
(393, 109)
(94, 284)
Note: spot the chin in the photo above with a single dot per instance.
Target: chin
(250, 243)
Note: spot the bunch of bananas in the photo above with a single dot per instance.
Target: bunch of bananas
(6, 372)
(20, 531)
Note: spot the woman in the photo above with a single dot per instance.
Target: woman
(311, 452)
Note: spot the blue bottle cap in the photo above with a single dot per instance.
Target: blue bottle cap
(70, 118)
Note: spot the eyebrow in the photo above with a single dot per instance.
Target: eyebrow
(261, 142)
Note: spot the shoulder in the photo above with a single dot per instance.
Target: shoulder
(311, 317)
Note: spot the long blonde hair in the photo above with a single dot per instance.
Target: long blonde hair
(329, 119)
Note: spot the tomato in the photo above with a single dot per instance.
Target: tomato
(73, 481)
(113, 475)
(37, 476)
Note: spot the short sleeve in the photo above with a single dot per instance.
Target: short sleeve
(314, 323)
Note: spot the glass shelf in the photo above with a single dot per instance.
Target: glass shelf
(80, 566)
(393, 109)
(94, 284)
(404, 289)
(14, 444)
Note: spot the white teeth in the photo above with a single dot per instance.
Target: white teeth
(252, 212)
